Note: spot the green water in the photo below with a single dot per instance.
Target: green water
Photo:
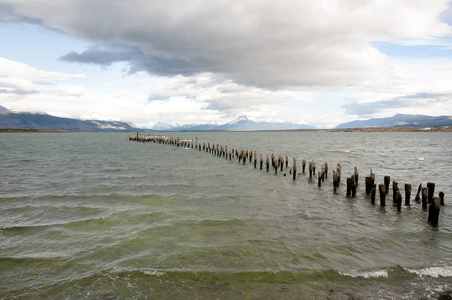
(96, 216)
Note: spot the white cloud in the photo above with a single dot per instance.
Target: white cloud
(270, 44)
(213, 60)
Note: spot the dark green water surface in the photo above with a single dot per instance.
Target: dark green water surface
(96, 216)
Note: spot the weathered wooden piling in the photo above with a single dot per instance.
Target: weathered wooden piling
(335, 181)
(310, 169)
(255, 159)
(326, 170)
(441, 195)
(261, 161)
(399, 201)
(287, 161)
(433, 211)
(395, 188)
(418, 198)
(424, 197)
(382, 190)
(319, 184)
(370, 181)
(431, 191)
(313, 166)
(356, 173)
(407, 193)
(267, 159)
(387, 180)
(338, 172)
(294, 174)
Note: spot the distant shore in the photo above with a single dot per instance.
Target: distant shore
(366, 129)
(31, 131)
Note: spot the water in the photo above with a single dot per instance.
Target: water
(96, 216)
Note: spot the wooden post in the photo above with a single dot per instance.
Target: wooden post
(395, 188)
(418, 198)
(407, 193)
(287, 161)
(303, 165)
(441, 195)
(433, 212)
(369, 184)
(313, 166)
(294, 169)
(335, 180)
(268, 162)
(382, 189)
(424, 197)
(319, 184)
(356, 173)
(255, 159)
(262, 161)
(399, 201)
(338, 172)
(251, 155)
(326, 170)
(245, 156)
(137, 137)
(310, 169)
(350, 182)
(431, 191)
(387, 180)
(354, 185)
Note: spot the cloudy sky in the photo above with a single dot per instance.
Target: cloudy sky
(321, 62)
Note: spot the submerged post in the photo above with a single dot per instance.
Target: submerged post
(424, 197)
(441, 195)
(407, 193)
(418, 198)
(387, 180)
(382, 190)
(433, 211)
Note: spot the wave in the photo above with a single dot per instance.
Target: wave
(434, 272)
(391, 283)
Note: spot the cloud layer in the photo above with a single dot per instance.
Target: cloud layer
(232, 57)
(259, 43)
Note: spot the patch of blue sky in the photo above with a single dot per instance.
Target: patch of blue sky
(434, 48)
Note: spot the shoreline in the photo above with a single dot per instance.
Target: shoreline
(363, 129)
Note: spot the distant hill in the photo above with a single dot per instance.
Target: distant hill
(12, 120)
(400, 120)
(241, 123)
(3, 110)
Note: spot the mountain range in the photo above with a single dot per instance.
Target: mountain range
(21, 120)
(400, 120)
(41, 121)
(241, 123)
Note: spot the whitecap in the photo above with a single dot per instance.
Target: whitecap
(420, 158)
(434, 272)
(154, 273)
(367, 274)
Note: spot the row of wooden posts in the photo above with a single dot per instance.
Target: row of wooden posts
(425, 195)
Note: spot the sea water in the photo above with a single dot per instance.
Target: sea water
(96, 216)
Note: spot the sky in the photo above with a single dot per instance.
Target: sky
(317, 62)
